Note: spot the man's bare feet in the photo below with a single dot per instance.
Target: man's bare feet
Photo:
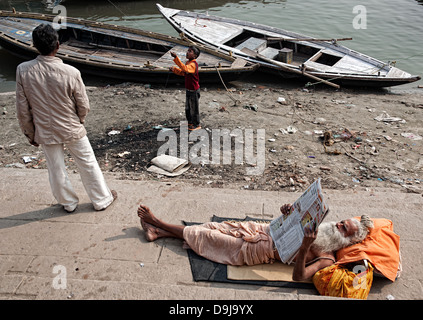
(143, 224)
(146, 215)
(155, 228)
(151, 232)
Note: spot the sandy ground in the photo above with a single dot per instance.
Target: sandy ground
(349, 138)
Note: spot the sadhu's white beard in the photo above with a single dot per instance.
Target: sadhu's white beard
(329, 238)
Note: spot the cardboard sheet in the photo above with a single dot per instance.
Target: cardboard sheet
(267, 272)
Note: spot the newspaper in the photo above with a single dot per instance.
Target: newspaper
(287, 231)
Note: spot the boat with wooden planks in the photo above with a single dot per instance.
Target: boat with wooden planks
(118, 52)
(287, 53)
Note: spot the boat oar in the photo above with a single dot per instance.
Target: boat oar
(288, 69)
(304, 73)
(150, 66)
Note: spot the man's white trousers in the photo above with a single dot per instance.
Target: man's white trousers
(89, 170)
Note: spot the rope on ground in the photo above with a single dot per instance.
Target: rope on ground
(236, 102)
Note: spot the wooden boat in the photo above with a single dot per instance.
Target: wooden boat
(287, 53)
(117, 52)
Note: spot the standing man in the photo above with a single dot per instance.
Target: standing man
(192, 85)
(52, 105)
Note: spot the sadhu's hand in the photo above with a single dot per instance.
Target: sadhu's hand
(310, 234)
(286, 209)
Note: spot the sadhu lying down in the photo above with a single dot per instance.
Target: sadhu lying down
(250, 243)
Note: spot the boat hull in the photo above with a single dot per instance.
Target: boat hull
(122, 63)
(345, 81)
(315, 61)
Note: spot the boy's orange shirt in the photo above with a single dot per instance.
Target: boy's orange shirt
(189, 67)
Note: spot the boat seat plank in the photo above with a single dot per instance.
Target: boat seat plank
(239, 63)
(204, 60)
(397, 73)
(221, 32)
(350, 64)
(252, 43)
(166, 60)
(104, 55)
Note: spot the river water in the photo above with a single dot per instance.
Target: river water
(389, 30)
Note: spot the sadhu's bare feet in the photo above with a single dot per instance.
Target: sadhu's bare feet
(149, 224)
(146, 215)
(151, 232)
(156, 228)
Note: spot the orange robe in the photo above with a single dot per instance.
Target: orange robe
(380, 247)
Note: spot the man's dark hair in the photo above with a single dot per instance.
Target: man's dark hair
(196, 51)
(45, 39)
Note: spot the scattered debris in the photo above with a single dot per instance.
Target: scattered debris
(214, 104)
(328, 138)
(291, 129)
(339, 101)
(27, 159)
(411, 136)
(319, 121)
(113, 132)
(385, 117)
(15, 165)
(253, 107)
(123, 154)
(282, 100)
(376, 153)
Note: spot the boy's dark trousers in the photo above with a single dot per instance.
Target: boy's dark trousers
(192, 111)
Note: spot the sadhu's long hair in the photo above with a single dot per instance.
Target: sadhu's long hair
(364, 226)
